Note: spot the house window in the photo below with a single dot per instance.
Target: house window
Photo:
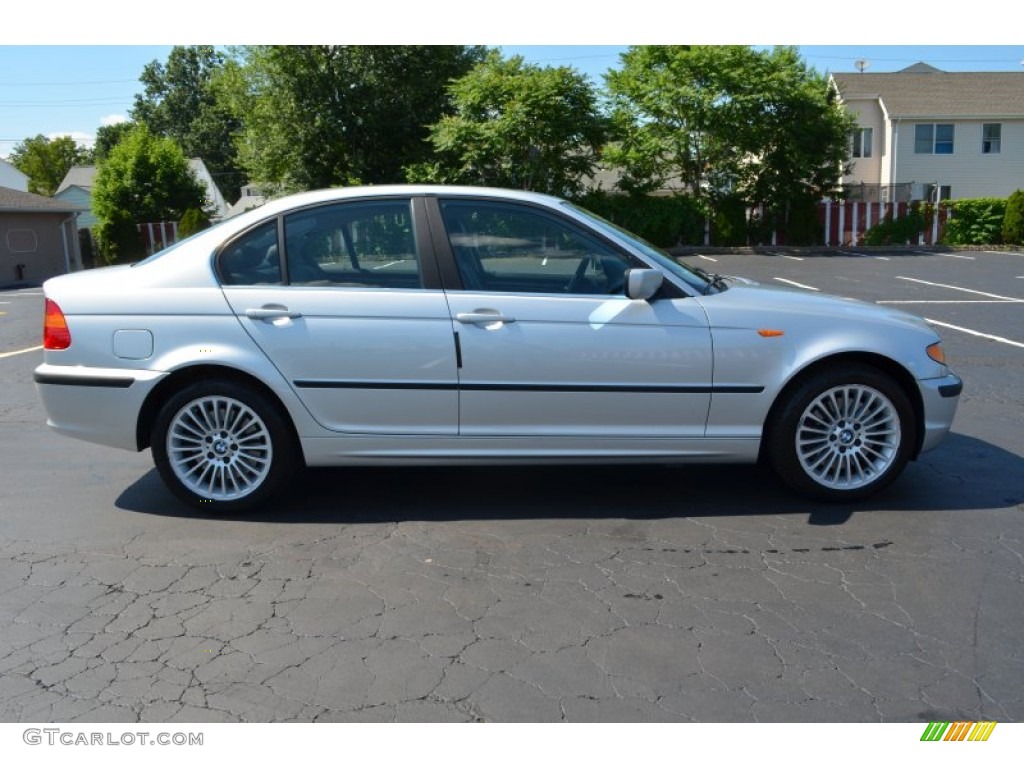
(939, 192)
(862, 142)
(933, 139)
(991, 138)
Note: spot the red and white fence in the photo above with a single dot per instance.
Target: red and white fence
(845, 222)
(158, 234)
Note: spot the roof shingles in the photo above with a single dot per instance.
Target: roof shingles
(938, 94)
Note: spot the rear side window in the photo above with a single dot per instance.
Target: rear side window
(356, 244)
(253, 258)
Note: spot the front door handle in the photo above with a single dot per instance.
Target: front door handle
(270, 312)
(483, 317)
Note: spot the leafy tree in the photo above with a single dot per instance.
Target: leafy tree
(727, 121)
(517, 125)
(145, 178)
(107, 137)
(320, 116)
(180, 100)
(1013, 221)
(47, 161)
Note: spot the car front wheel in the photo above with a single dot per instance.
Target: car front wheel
(842, 434)
(222, 447)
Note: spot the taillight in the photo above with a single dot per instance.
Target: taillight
(55, 328)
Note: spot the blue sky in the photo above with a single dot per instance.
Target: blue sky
(64, 89)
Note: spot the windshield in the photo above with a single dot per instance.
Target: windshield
(696, 279)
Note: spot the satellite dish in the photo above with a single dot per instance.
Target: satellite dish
(861, 64)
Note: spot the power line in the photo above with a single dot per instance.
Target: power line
(68, 82)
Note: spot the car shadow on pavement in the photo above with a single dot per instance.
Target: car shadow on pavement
(963, 473)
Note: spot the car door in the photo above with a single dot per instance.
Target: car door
(338, 296)
(549, 343)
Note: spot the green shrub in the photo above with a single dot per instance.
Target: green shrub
(664, 221)
(974, 222)
(193, 221)
(1013, 220)
(901, 230)
(729, 225)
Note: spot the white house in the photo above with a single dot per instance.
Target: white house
(926, 134)
(12, 178)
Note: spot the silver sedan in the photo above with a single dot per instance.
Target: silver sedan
(436, 325)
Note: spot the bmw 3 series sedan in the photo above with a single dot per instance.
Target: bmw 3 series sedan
(439, 325)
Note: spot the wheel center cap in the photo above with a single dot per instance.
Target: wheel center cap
(846, 436)
(220, 447)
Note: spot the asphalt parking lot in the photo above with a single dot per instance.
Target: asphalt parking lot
(541, 594)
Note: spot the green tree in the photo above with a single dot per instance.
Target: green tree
(145, 178)
(47, 161)
(517, 125)
(108, 137)
(320, 116)
(1013, 221)
(727, 121)
(180, 100)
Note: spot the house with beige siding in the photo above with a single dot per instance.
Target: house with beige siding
(924, 134)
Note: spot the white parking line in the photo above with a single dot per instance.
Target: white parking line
(706, 258)
(389, 264)
(958, 288)
(19, 352)
(798, 285)
(792, 258)
(957, 256)
(952, 301)
(988, 336)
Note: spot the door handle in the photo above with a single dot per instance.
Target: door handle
(270, 312)
(483, 317)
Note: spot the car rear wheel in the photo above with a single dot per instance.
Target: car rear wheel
(222, 447)
(842, 434)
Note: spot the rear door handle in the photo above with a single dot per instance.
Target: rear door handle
(483, 317)
(270, 312)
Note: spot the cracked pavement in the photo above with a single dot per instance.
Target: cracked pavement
(518, 594)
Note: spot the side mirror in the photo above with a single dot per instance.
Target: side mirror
(643, 283)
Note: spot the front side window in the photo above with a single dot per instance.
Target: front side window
(991, 138)
(862, 142)
(357, 244)
(510, 248)
(933, 139)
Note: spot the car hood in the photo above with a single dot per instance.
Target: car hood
(753, 305)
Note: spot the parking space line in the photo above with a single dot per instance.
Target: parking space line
(706, 258)
(988, 336)
(792, 258)
(798, 285)
(19, 352)
(952, 301)
(957, 256)
(958, 288)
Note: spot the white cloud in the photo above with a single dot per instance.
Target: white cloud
(82, 139)
(113, 120)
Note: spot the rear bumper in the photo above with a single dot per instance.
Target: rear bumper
(940, 398)
(99, 405)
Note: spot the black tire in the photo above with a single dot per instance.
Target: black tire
(842, 434)
(222, 447)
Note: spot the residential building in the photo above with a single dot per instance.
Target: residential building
(925, 134)
(12, 178)
(38, 237)
(252, 196)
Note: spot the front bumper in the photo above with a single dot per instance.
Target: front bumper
(99, 405)
(940, 398)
